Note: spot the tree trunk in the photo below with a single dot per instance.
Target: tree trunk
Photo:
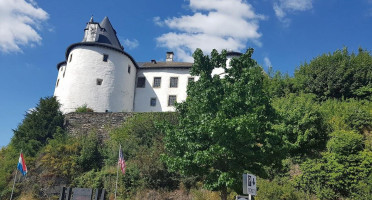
(224, 193)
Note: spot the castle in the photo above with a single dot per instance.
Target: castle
(98, 73)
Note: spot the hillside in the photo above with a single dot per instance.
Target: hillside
(305, 137)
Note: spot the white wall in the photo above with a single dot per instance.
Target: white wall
(79, 85)
(143, 95)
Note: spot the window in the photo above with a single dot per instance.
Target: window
(173, 82)
(70, 58)
(99, 81)
(141, 82)
(157, 82)
(105, 57)
(153, 102)
(128, 69)
(57, 83)
(190, 79)
(172, 100)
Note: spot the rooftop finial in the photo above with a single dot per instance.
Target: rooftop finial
(91, 19)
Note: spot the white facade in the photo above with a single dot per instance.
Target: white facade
(98, 73)
(161, 93)
(101, 85)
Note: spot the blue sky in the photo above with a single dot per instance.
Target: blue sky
(34, 35)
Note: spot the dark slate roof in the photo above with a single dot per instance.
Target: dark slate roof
(159, 65)
(233, 53)
(108, 35)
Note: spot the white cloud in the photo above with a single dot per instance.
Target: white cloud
(283, 7)
(130, 44)
(20, 22)
(267, 62)
(215, 24)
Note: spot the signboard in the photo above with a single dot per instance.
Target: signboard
(249, 184)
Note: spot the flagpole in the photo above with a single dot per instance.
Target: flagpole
(15, 177)
(117, 175)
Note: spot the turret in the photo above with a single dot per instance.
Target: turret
(97, 72)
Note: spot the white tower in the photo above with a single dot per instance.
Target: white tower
(97, 72)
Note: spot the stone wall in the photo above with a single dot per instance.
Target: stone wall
(83, 123)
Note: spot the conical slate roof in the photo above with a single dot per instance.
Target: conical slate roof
(108, 34)
(105, 33)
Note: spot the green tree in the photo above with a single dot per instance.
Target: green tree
(301, 124)
(224, 126)
(38, 126)
(337, 75)
(343, 171)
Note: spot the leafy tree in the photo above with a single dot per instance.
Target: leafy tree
(337, 75)
(90, 154)
(279, 85)
(342, 171)
(301, 124)
(59, 157)
(224, 126)
(38, 126)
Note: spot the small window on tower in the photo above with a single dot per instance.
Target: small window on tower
(153, 102)
(57, 83)
(70, 59)
(99, 81)
(141, 82)
(128, 69)
(105, 57)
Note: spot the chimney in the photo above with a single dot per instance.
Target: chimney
(153, 61)
(169, 57)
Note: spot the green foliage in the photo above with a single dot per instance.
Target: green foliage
(142, 144)
(90, 154)
(279, 85)
(223, 123)
(281, 189)
(301, 124)
(342, 169)
(83, 109)
(38, 126)
(59, 157)
(9, 159)
(349, 114)
(337, 75)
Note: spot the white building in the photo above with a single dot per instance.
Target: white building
(100, 74)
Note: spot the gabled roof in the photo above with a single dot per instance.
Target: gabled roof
(158, 65)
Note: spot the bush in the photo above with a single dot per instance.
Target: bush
(83, 109)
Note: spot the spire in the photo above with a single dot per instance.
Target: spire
(101, 33)
(108, 34)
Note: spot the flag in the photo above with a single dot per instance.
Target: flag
(22, 165)
(121, 161)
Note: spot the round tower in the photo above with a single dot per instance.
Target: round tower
(97, 72)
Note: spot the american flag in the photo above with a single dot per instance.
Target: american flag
(121, 161)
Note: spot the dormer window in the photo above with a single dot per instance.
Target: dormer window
(105, 57)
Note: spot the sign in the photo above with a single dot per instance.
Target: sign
(249, 184)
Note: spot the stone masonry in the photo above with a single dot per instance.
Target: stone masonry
(101, 123)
